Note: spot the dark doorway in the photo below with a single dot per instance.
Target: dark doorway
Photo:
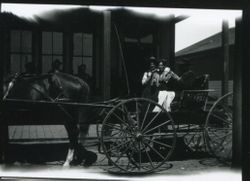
(136, 56)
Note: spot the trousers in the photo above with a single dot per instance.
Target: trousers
(165, 99)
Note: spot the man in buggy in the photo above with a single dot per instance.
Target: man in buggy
(157, 80)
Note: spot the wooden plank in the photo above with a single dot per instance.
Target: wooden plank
(47, 132)
(12, 131)
(19, 130)
(106, 54)
(61, 132)
(40, 132)
(33, 133)
(25, 134)
(225, 46)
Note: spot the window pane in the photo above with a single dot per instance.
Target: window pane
(47, 42)
(87, 44)
(14, 63)
(88, 62)
(26, 41)
(57, 43)
(46, 64)
(24, 59)
(147, 39)
(76, 62)
(15, 41)
(77, 45)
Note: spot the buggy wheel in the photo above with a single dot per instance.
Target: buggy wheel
(135, 139)
(218, 128)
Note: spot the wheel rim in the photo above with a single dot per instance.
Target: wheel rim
(135, 139)
(218, 128)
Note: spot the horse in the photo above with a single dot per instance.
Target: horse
(53, 87)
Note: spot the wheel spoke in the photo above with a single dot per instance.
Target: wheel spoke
(220, 118)
(116, 146)
(225, 136)
(149, 157)
(155, 151)
(113, 126)
(122, 121)
(148, 106)
(162, 124)
(137, 111)
(121, 154)
(152, 120)
(139, 155)
(163, 144)
(228, 111)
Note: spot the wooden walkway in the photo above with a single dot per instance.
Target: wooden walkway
(42, 133)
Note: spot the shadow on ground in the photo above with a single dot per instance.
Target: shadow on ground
(56, 152)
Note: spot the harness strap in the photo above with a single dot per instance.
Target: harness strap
(11, 85)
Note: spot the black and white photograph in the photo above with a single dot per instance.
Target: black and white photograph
(120, 92)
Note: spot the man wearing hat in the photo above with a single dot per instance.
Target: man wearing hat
(30, 68)
(165, 96)
(187, 75)
(56, 66)
(149, 91)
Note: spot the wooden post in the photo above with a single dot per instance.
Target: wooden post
(225, 46)
(36, 49)
(1, 94)
(67, 49)
(166, 39)
(245, 92)
(106, 54)
(237, 98)
(4, 38)
(172, 43)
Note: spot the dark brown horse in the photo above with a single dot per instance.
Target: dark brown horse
(55, 87)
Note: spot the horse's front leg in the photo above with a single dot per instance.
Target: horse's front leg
(73, 133)
(69, 157)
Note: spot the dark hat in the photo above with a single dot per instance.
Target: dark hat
(56, 62)
(82, 66)
(152, 58)
(163, 60)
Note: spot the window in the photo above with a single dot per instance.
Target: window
(83, 52)
(20, 50)
(52, 49)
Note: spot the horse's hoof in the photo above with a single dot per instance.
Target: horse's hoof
(91, 158)
(66, 164)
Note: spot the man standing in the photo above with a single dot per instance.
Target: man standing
(84, 75)
(55, 66)
(149, 90)
(165, 97)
